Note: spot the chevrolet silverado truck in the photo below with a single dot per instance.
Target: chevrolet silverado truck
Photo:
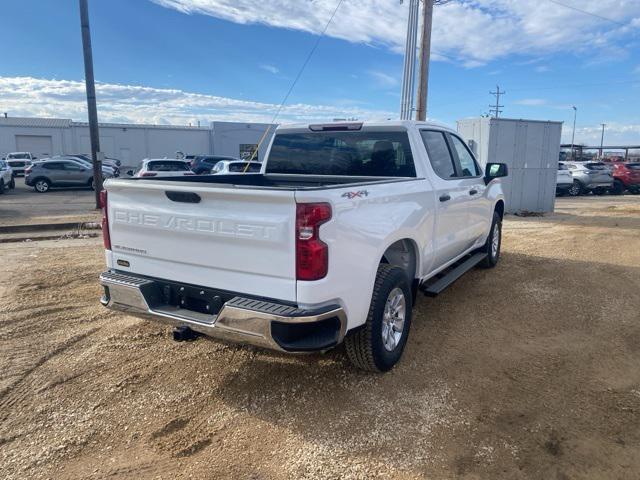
(330, 243)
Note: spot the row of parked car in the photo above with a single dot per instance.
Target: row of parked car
(599, 178)
(200, 165)
(77, 170)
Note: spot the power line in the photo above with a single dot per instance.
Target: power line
(571, 7)
(496, 108)
(306, 61)
(293, 84)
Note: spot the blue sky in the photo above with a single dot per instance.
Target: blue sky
(180, 61)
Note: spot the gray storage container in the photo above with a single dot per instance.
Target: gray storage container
(530, 148)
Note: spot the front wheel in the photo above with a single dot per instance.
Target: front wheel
(493, 244)
(378, 345)
(575, 189)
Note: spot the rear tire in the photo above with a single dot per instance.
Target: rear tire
(378, 345)
(1, 187)
(575, 189)
(494, 243)
(42, 185)
(91, 183)
(12, 183)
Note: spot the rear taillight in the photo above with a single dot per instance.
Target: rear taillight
(106, 238)
(148, 174)
(312, 254)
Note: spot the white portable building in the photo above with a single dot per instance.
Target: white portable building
(531, 150)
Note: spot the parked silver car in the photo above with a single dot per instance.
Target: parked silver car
(589, 177)
(59, 173)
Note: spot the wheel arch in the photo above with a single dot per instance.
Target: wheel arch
(403, 253)
(499, 208)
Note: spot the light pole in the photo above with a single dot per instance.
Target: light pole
(91, 99)
(573, 135)
(602, 139)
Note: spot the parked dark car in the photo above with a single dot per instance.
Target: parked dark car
(203, 164)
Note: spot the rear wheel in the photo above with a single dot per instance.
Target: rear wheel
(575, 189)
(91, 183)
(12, 183)
(42, 185)
(379, 344)
(1, 187)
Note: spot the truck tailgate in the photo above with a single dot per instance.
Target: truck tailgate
(235, 239)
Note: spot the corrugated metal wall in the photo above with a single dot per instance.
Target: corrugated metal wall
(529, 147)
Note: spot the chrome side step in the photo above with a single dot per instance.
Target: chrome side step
(451, 275)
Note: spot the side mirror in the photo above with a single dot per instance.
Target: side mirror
(495, 170)
(129, 172)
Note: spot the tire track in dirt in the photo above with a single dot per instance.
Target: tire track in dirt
(25, 384)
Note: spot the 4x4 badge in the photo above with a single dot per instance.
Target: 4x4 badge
(352, 195)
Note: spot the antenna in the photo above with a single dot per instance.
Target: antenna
(495, 109)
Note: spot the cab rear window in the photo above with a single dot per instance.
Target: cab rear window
(361, 153)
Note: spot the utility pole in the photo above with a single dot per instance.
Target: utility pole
(573, 135)
(91, 99)
(425, 57)
(602, 139)
(409, 73)
(496, 108)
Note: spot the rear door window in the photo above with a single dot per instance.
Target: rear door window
(54, 166)
(164, 166)
(439, 154)
(240, 167)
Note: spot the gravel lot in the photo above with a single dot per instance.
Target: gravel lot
(528, 371)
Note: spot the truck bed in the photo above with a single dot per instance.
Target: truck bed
(276, 181)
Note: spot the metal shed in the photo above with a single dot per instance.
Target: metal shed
(530, 148)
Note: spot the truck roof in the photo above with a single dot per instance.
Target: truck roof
(367, 124)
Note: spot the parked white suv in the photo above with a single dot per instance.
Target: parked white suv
(19, 161)
(331, 243)
(6, 177)
(153, 167)
(564, 179)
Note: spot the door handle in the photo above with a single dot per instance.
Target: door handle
(445, 197)
(473, 192)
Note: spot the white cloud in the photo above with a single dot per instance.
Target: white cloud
(615, 134)
(531, 102)
(270, 68)
(383, 79)
(542, 69)
(28, 96)
(474, 31)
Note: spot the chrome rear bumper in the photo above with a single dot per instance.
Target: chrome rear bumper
(245, 320)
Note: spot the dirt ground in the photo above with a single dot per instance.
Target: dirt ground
(527, 371)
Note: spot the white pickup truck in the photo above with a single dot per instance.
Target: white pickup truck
(331, 242)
